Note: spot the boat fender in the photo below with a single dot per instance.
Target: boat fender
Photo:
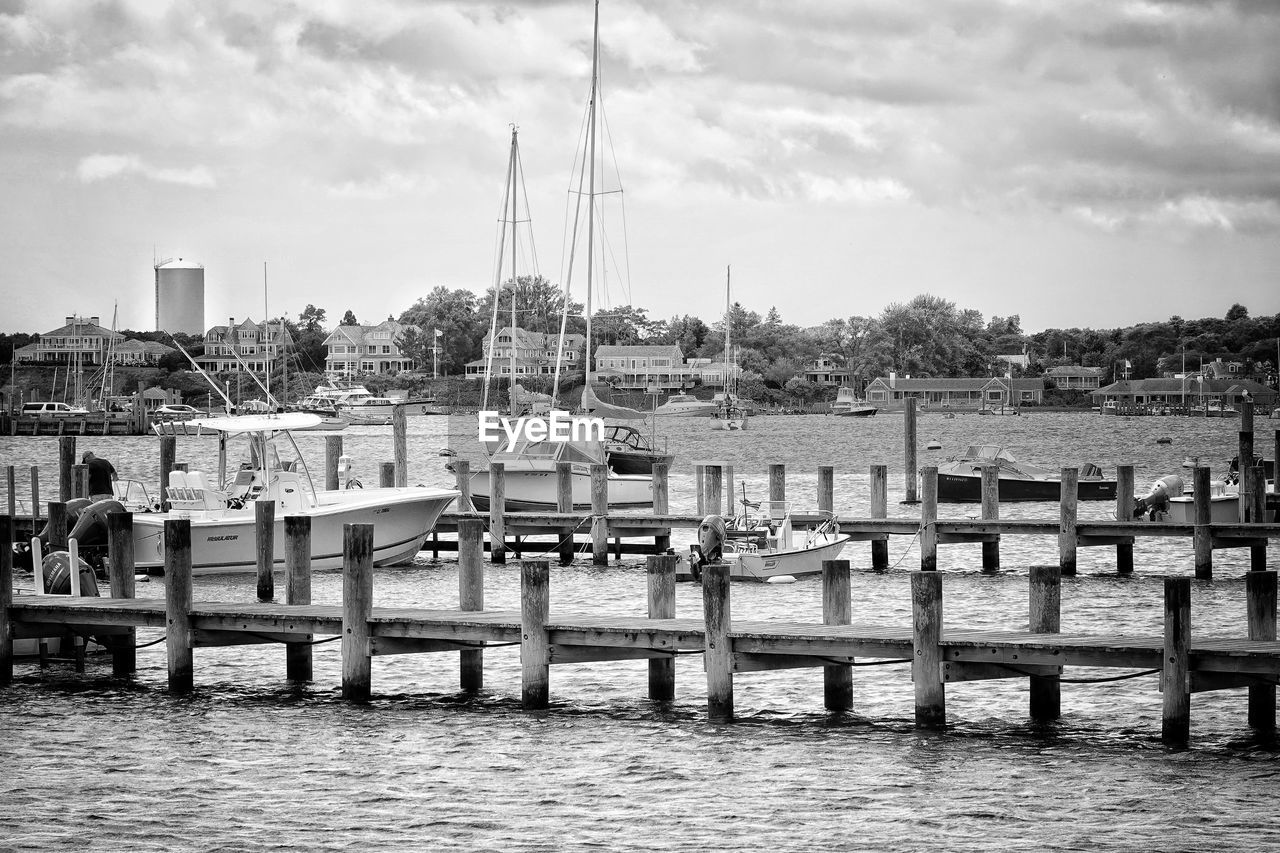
(781, 579)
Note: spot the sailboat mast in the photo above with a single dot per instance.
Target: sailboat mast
(591, 181)
(515, 156)
(728, 332)
(497, 284)
(266, 326)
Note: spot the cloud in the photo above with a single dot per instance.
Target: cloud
(102, 167)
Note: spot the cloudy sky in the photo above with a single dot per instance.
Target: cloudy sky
(1076, 162)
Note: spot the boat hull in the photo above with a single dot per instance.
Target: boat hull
(534, 489)
(966, 488)
(225, 541)
(856, 413)
(636, 462)
(765, 565)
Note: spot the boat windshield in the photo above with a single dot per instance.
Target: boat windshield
(988, 451)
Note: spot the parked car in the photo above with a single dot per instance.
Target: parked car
(56, 410)
(178, 411)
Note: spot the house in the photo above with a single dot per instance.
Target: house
(140, 353)
(367, 349)
(1074, 377)
(27, 354)
(827, 370)
(971, 393)
(81, 341)
(1220, 369)
(257, 344)
(533, 353)
(1187, 391)
(642, 367)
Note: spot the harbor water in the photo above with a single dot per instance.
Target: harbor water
(251, 762)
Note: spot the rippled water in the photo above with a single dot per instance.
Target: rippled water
(250, 762)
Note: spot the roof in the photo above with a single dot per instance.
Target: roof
(964, 383)
(638, 351)
(81, 330)
(1190, 386)
(537, 340)
(1075, 370)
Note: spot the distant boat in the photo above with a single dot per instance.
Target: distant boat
(685, 406)
(848, 405)
(960, 478)
(767, 543)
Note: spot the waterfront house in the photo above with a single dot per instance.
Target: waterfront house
(527, 353)
(81, 341)
(1188, 391)
(960, 394)
(1075, 377)
(140, 353)
(827, 370)
(367, 349)
(257, 344)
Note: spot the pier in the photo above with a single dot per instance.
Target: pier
(931, 655)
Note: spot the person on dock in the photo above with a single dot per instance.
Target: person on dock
(101, 475)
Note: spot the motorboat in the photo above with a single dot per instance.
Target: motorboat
(960, 478)
(222, 509)
(1169, 499)
(361, 406)
(324, 408)
(767, 542)
(531, 481)
(848, 405)
(627, 451)
(685, 406)
(729, 415)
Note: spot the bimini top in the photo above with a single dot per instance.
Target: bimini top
(258, 423)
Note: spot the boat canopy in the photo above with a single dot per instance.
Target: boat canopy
(258, 423)
(525, 449)
(993, 452)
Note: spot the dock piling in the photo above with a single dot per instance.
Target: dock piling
(564, 503)
(777, 482)
(120, 559)
(387, 475)
(929, 519)
(715, 489)
(909, 445)
(600, 514)
(1045, 617)
(1175, 675)
(1124, 512)
(837, 680)
(926, 661)
(497, 512)
(80, 481)
(660, 571)
(6, 599)
(826, 489)
(462, 481)
(57, 526)
(66, 459)
(357, 604)
(400, 443)
(297, 590)
(264, 530)
(470, 597)
(879, 509)
(1068, 540)
(168, 455)
(535, 644)
(178, 602)
(332, 453)
(718, 651)
(661, 505)
(1260, 592)
(991, 512)
(1202, 538)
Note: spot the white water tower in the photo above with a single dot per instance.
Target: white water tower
(179, 296)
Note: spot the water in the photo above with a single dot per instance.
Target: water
(250, 762)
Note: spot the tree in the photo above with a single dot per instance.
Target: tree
(312, 319)
(454, 314)
(416, 345)
(1236, 313)
(539, 304)
(622, 325)
(349, 319)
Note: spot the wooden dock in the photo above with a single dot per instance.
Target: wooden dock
(936, 656)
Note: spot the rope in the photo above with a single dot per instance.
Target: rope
(907, 550)
(1104, 680)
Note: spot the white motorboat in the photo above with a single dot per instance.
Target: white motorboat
(223, 516)
(1170, 500)
(765, 544)
(847, 404)
(685, 406)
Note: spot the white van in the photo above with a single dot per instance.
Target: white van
(52, 409)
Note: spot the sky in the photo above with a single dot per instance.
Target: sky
(1092, 163)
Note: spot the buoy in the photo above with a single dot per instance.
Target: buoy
(934, 445)
(1164, 440)
(781, 579)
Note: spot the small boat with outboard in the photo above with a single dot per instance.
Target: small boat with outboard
(765, 542)
(960, 478)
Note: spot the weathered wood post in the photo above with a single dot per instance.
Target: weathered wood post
(535, 645)
(66, 460)
(1256, 513)
(1125, 491)
(1175, 675)
(80, 481)
(357, 605)
(1202, 537)
(462, 482)
(120, 560)
(715, 489)
(600, 514)
(729, 503)
(6, 599)
(470, 596)
(660, 573)
(718, 654)
(777, 481)
(1068, 542)
(264, 533)
(400, 440)
(177, 603)
(297, 590)
(332, 453)
(991, 512)
(564, 503)
(12, 488)
(909, 444)
(57, 526)
(1244, 460)
(387, 475)
(837, 680)
(929, 519)
(497, 512)
(661, 505)
(222, 457)
(168, 455)
(35, 495)
(926, 637)
(1045, 606)
(827, 489)
(880, 509)
(1260, 592)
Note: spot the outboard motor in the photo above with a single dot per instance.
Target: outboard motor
(1157, 500)
(56, 568)
(710, 547)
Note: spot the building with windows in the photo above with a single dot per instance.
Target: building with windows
(367, 349)
(257, 344)
(963, 393)
(1074, 377)
(82, 341)
(827, 370)
(140, 353)
(528, 353)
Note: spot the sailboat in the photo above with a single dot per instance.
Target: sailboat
(530, 462)
(729, 414)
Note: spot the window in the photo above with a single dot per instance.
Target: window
(995, 395)
(386, 349)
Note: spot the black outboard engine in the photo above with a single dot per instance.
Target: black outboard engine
(1157, 500)
(710, 547)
